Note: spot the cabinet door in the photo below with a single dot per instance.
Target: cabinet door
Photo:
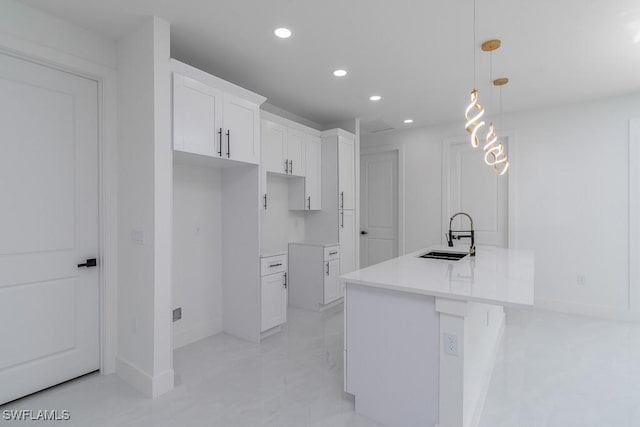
(274, 137)
(346, 173)
(331, 273)
(313, 160)
(295, 152)
(274, 300)
(241, 130)
(347, 236)
(197, 116)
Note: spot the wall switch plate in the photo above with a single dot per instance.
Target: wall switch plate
(177, 314)
(451, 344)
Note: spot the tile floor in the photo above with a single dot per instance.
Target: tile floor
(553, 370)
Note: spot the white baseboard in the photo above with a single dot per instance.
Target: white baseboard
(195, 333)
(602, 312)
(149, 386)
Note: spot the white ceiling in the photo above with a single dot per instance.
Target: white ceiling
(417, 54)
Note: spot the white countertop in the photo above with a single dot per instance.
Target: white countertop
(265, 253)
(494, 276)
(312, 243)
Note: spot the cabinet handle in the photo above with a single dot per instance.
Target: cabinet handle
(285, 281)
(327, 272)
(290, 166)
(333, 253)
(265, 201)
(286, 166)
(309, 202)
(342, 200)
(275, 265)
(228, 143)
(220, 150)
(341, 219)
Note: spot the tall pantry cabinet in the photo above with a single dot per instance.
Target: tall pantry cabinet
(337, 219)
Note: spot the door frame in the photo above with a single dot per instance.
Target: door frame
(511, 183)
(401, 188)
(105, 78)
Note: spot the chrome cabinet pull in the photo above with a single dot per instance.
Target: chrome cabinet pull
(291, 166)
(342, 200)
(275, 265)
(333, 253)
(341, 219)
(228, 144)
(327, 272)
(286, 166)
(265, 201)
(285, 280)
(220, 150)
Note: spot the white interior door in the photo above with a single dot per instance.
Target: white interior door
(49, 307)
(379, 207)
(473, 187)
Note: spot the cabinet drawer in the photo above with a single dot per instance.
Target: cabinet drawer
(273, 264)
(332, 252)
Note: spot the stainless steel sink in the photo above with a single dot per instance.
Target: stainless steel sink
(446, 255)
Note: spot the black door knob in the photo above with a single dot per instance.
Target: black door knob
(363, 232)
(90, 262)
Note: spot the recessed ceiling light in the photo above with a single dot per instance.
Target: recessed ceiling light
(407, 121)
(283, 33)
(340, 73)
(375, 98)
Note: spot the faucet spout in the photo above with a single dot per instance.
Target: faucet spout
(455, 234)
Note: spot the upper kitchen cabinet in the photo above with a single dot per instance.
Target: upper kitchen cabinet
(282, 149)
(214, 118)
(293, 150)
(346, 172)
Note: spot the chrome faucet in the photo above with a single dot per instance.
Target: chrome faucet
(451, 236)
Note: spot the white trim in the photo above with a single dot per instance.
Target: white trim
(142, 381)
(266, 115)
(512, 183)
(211, 80)
(107, 169)
(634, 216)
(401, 188)
(337, 132)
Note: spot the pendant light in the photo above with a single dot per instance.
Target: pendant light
(474, 111)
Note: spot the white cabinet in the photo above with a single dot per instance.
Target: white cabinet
(274, 147)
(197, 116)
(294, 151)
(282, 149)
(274, 291)
(346, 172)
(347, 238)
(241, 124)
(211, 122)
(314, 268)
(331, 285)
(313, 181)
(338, 218)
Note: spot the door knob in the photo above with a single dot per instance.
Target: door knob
(363, 232)
(90, 262)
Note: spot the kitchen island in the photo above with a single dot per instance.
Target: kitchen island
(421, 335)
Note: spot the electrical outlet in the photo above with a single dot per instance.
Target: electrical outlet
(581, 279)
(451, 344)
(177, 314)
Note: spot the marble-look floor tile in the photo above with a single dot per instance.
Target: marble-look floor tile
(553, 370)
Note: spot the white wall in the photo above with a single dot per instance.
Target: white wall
(145, 200)
(279, 225)
(571, 164)
(197, 239)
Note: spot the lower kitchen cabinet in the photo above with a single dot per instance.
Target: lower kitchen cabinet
(314, 268)
(274, 284)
